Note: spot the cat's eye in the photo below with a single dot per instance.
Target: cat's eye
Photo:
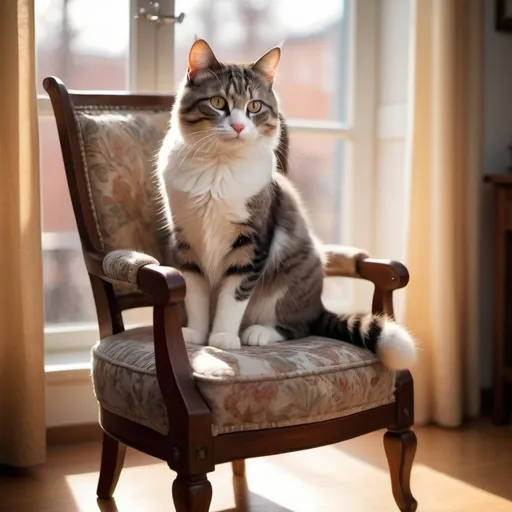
(218, 102)
(254, 106)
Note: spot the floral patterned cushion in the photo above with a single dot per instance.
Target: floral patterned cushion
(288, 383)
(118, 152)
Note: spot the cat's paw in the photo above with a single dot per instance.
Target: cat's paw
(260, 335)
(194, 336)
(224, 340)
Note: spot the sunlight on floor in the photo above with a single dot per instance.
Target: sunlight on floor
(308, 481)
(139, 486)
(439, 492)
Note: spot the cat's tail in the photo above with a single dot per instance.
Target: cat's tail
(391, 342)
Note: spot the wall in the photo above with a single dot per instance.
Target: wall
(497, 135)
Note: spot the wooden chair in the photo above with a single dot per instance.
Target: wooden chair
(183, 404)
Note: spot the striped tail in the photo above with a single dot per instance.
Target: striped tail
(393, 345)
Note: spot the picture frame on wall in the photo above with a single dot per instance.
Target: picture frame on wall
(504, 15)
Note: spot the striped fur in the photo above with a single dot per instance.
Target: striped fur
(252, 265)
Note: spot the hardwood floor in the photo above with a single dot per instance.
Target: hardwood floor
(459, 470)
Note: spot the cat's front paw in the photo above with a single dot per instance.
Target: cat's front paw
(224, 340)
(194, 336)
(260, 335)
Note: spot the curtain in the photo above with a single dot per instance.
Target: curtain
(22, 421)
(441, 300)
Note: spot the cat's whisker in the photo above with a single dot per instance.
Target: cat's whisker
(204, 147)
(197, 132)
(210, 142)
(194, 145)
(194, 133)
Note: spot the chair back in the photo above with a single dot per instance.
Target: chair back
(109, 144)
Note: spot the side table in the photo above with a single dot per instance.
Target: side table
(502, 328)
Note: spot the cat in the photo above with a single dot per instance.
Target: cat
(252, 265)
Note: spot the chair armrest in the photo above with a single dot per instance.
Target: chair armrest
(164, 284)
(387, 275)
(123, 265)
(342, 260)
(188, 414)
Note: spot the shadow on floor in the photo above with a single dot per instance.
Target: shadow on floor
(245, 501)
(46, 485)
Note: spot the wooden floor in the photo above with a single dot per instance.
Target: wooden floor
(466, 470)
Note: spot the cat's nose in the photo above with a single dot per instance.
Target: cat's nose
(238, 127)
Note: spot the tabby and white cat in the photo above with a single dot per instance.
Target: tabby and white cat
(252, 265)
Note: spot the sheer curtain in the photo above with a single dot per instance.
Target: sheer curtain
(441, 302)
(22, 422)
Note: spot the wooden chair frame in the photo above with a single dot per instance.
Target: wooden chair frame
(189, 448)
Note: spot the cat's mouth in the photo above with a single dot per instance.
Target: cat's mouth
(232, 138)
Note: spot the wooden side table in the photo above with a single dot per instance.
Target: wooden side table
(502, 328)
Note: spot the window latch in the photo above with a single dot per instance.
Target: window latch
(153, 14)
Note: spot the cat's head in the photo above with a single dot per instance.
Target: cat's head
(228, 106)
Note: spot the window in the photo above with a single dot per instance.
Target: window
(324, 83)
(111, 51)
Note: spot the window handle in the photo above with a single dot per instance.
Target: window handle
(154, 15)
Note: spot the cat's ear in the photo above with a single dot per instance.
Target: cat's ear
(201, 58)
(267, 64)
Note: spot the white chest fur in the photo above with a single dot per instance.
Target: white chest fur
(208, 196)
(209, 226)
(237, 175)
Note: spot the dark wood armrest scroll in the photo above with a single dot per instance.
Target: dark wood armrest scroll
(165, 284)
(387, 276)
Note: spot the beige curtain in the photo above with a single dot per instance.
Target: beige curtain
(22, 422)
(444, 145)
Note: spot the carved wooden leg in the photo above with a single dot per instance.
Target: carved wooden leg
(238, 467)
(400, 450)
(112, 458)
(192, 493)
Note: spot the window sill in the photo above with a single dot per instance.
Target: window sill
(70, 396)
(67, 366)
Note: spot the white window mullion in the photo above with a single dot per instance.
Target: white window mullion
(142, 53)
(165, 52)
(359, 208)
(151, 50)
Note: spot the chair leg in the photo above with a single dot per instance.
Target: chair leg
(400, 449)
(112, 459)
(192, 493)
(238, 467)
(240, 489)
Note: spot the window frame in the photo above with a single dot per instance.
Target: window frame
(151, 70)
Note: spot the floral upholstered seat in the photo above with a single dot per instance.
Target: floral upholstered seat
(287, 383)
